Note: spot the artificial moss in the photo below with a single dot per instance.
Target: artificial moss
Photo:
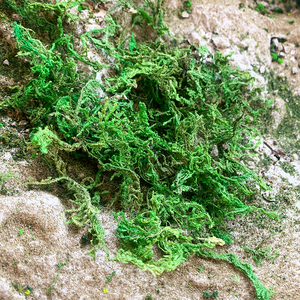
(172, 124)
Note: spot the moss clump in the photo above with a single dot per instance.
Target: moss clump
(213, 295)
(172, 124)
(261, 9)
(241, 5)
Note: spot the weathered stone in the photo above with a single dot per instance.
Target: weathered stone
(172, 4)
(6, 62)
(185, 15)
(199, 17)
(282, 54)
(242, 61)
(100, 16)
(278, 112)
(294, 70)
(23, 123)
(215, 151)
(262, 69)
(275, 42)
(221, 42)
(288, 48)
(16, 17)
(195, 39)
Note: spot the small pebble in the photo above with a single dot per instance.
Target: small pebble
(294, 70)
(6, 62)
(221, 42)
(215, 151)
(275, 42)
(281, 54)
(81, 175)
(185, 15)
(23, 123)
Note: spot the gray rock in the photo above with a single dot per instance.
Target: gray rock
(200, 17)
(23, 123)
(262, 69)
(215, 151)
(6, 62)
(195, 39)
(294, 70)
(288, 48)
(16, 17)
(281, 54)
(242, 61)
(225, 146)
(221, 42)
(185, 15)
(275, 42)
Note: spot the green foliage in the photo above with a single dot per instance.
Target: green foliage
(274, 56)
(110, 277)
(45, 14)
(18, 288)
(186, 6)
(59, 267)
(84, 239)
(213, 295)
(279, 10)
(262, 293)
(259, 255)
(288, 7)
(261, 9)
(241, 5)
(27, 292)
(171, 126)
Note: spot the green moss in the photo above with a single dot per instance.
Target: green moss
(280, 60)
(213, 295)
(274, 56)
(267, 162)
(261, 9)
(170, 128)
(288, 167)
(287, 130)
(279, 10)
(259, 255)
